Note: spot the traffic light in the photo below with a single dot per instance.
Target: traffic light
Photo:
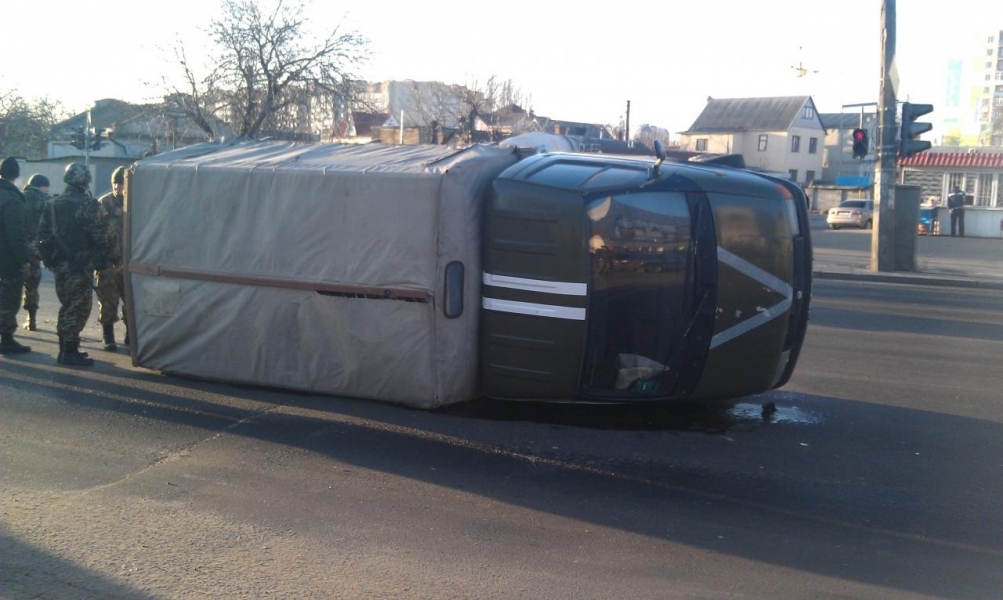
(860, 144)
(78, 139)
(99, 139)
(910, 130)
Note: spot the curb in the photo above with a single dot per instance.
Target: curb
(909, 279)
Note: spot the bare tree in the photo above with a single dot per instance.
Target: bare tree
(459, 107)
(197, 101)
(431, 103)
(647, 134)
(269, 71)
(25, 125)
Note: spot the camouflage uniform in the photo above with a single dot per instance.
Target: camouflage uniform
(35, 202)
(84, 231)
(14, 253)
(111, 285)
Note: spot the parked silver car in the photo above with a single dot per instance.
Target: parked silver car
(852, 213)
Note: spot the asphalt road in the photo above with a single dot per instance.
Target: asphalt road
(940, 259)
(879, 476)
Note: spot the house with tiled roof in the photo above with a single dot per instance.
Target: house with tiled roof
(977, 171)
(133, 130)
(507, 121)
(129, 132)
(778, 134)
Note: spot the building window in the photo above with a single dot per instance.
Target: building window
(812, 145)
(794, 175)
(989, 52)
(955, 180)
(702, 145)
(984, 190)
(763, 138)
(809, 112)
(809, 176)
(795, 143)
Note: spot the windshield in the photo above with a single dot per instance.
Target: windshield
(854, 204)
(639, 246)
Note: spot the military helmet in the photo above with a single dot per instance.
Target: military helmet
(38, 180)
(118, 176)
(77, 174)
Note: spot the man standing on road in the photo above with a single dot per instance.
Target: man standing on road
(85, 243)
(15, 255)
(36, 200)
(956, 202)
(111, 284)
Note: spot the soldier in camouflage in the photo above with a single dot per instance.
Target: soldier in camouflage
(15, 255)
(36, 200)
(85, 243)
(111, 285)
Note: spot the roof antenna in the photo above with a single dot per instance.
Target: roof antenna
(660, 153)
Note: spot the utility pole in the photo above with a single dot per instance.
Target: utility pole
(626, 133)
(883, 236)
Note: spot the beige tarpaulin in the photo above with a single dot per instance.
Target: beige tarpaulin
(310, 267)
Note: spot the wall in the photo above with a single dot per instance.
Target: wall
(412, 135)
(720, 143)
(935, 183)
(777, 157)
(802, 160)
(821, 199)
(101, 170)
(931, 183)
(53, 170)
(838, 157)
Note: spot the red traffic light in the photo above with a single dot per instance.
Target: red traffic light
(860, 145)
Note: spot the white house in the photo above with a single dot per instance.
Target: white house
(781, 135)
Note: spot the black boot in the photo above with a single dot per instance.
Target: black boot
(30, 323)
(73, 357)
(109, 338)
(9, 346)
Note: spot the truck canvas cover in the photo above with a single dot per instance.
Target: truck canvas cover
(310, 267)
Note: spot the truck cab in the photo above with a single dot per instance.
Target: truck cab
(629, 279)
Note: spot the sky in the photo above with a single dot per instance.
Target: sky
(577, 61)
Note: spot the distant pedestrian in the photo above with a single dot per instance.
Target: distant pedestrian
(111, 284)
(15, 255)
(956, 202)
(36, 201)
(84, 243)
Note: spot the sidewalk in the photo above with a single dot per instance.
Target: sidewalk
(940, 260)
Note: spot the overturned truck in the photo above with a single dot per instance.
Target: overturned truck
(427, 276)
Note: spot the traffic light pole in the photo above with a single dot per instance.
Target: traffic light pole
(87, 141)
(883, 236)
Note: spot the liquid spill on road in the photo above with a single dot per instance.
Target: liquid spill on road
(783, 414)
(706, 418)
